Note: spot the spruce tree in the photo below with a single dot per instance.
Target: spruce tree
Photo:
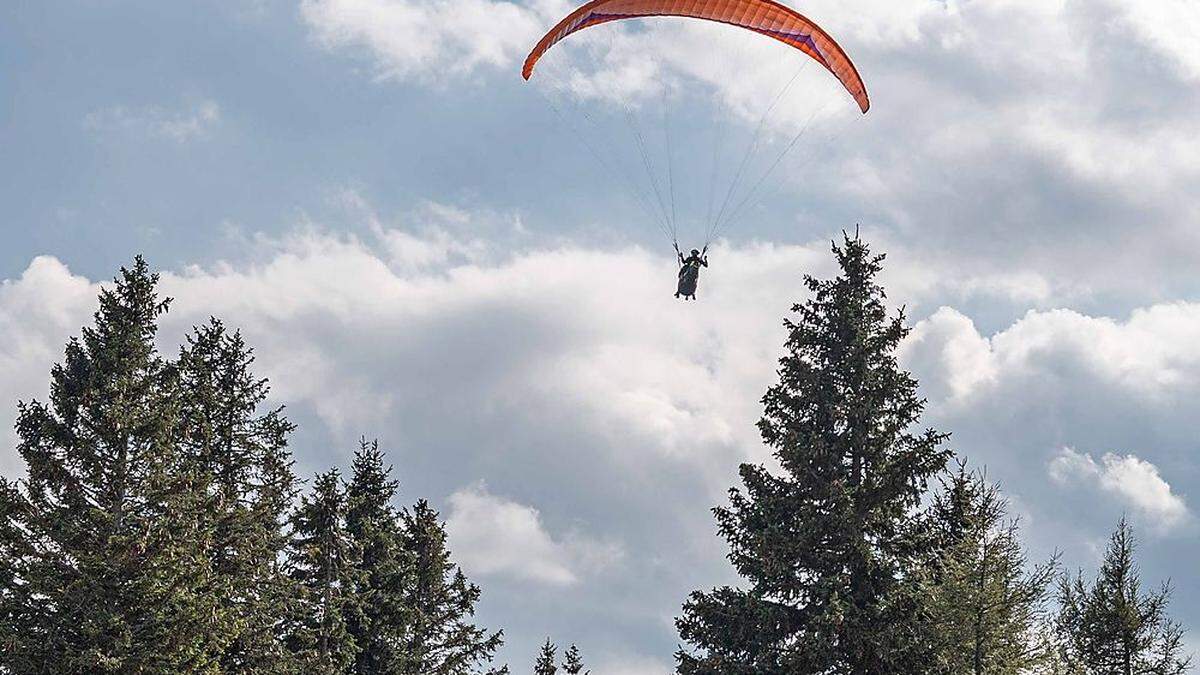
(323, 565)
(1112, 626)
(107, 533)
(828, 547)
(986, 606)
(573, 663)
(241, 455)
(443, 639)
(381, 621)
(545, 664)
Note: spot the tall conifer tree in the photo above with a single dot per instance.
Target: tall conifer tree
(111, 572)
(828, 546)
(1112, 626)
(242, 458)
(443, 639)
(323, 564)
(381, 621)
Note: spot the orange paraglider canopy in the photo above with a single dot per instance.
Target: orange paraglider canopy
(761, 16)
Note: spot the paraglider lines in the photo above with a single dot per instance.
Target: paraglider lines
(750, 151)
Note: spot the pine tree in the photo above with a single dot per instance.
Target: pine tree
(1112, 626)
(382, 621)
(828, 547)
(242, 457)
(573, 663)
(545, 664)
(323, 564)
(443, 640)
(107, 533)
(986, 606)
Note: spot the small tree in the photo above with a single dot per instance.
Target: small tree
(322, 561)
(443, 639)
(828, 547)
(545, 664)
(1112, 626)
(573, 663)
(987, 607)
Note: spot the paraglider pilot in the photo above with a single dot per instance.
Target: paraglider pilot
(689, 273)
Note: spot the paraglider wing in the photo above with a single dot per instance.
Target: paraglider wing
(761, 16)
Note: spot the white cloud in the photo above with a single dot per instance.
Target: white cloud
(436, 236)
(37, 312)
(180, 125)
(1150, 354)
(1134, 481)
(426, 39)
(1170, 27)
(493, 536)
(948, 345)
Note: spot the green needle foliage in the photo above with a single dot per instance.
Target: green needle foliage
(829, 547)
(987, 606)
(1112, 626)
(323, 565)
(159, 529)
(109, 538)
(248, 486)
(442, 640)
(545, 664)
(381, 621)
(573, 662)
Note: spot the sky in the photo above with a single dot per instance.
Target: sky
(426, 249)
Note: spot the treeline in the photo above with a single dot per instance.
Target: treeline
(160, 527)
(854, 564)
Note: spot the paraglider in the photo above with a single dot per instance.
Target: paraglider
(764, 17)
(689, 273)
